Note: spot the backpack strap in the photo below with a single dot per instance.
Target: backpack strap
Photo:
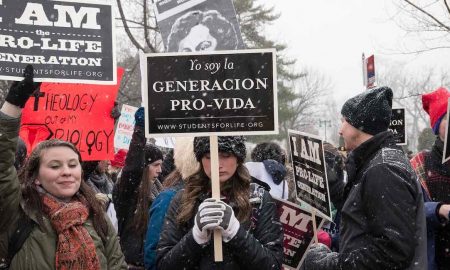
(25, 226)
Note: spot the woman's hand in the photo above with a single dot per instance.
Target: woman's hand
(20, 92)
(214, 214)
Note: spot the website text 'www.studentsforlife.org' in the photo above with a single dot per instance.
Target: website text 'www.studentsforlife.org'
(209, 125)
(55, 72)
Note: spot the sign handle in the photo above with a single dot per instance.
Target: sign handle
(215, 186)
(314, 225)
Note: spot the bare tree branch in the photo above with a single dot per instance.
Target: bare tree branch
(429, 14)
(446, 5)
(146, 32)
(127, 30)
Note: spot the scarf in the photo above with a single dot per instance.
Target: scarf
(102, 183)
(75, 246)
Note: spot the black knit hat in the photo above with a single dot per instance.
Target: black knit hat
(227, 144)
(152, 154)
(268, 150)
(370, 111)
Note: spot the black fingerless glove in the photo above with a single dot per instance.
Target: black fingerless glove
(20, 92)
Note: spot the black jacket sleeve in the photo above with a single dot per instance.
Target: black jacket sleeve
(125, 190)
(177, 248)
(264, 248)
(389, 200)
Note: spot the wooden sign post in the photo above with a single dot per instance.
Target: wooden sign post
(229, 93)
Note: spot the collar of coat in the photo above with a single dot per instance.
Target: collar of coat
(364, 153)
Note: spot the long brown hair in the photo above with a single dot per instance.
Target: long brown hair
(199, 183)
(32, 197)
(144, 200)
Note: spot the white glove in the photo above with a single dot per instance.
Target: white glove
(229, 224)
(206, 220)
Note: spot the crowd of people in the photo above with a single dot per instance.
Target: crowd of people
(147, 209)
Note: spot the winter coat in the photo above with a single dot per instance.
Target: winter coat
(38, 250)
(435, 179)
(125, 198)
(156, 216)
(254, 247)
(272, 173)
(383, 218)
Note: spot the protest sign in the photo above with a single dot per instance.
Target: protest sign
(181, 21)
(125, 127)
(298, 232)
(308, 161)
(64, 40)
(398, 126)
(446, 153)
(78, 113)
(224, 92)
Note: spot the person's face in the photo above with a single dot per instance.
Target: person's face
(102, 166)
(154, 169)
(59, 172)
(112, 169)
(350, 135)
(198, 39)
(443, 128)
(227, 165)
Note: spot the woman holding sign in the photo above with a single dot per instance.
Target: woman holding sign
(246, 215)
(49, 216)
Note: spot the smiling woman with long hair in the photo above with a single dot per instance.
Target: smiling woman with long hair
(68, 227)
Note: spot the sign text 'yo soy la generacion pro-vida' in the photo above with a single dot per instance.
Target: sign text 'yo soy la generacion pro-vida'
(224, 92)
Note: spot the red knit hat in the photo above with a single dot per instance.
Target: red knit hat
(119, 158)
(435, 104)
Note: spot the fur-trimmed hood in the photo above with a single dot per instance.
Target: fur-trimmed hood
(184, 158)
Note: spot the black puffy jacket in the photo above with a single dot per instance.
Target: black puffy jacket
(254, 247)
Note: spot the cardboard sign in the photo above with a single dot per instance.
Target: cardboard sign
(125, 127)
(64, 40)
(298, 232)
(308, 161)
(78, 113)
(181, 24)
(398, 126)
(446, 153)
(226, 93)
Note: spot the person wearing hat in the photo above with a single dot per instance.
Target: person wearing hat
(185, 165)
(135, 191)
(435, 179)
(383, 218)
(268, 166)
(116, 165)
(246, 214)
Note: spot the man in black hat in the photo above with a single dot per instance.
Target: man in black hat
(383, 220)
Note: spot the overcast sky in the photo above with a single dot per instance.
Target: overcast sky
(331, 35)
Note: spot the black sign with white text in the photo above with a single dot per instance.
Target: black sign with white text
(446, 153)
(398, 126)
(65, 41)
(310, 176)
(226, 92)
